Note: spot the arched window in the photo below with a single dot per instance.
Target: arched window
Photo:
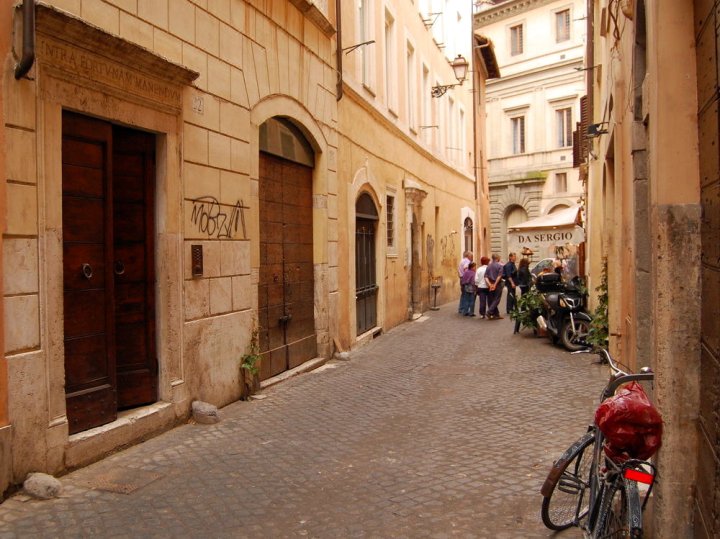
(468, 231)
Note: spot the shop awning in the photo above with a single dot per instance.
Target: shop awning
(555, 229)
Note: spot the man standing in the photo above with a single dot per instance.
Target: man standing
(493, 277)
(510, 276)
(464, 263)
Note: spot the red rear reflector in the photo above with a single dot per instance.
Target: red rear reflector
(640, 477)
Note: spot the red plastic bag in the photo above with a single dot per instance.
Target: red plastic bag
(631, 424)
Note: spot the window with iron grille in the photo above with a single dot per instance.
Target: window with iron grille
(390, 205)
(562, 25)
(516, 40)
(563, 126)
(518, 134)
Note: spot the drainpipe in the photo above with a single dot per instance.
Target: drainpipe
(28, 52)
(338, 51)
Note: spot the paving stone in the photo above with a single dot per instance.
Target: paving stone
(444, 428)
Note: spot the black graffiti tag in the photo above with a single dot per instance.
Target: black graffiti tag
(209, 217)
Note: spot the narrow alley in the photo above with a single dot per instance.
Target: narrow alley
(443, 427)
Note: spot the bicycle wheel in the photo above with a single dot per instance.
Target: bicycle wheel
(620, 512)
(564, 500)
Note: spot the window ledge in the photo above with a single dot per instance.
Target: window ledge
(317, 15)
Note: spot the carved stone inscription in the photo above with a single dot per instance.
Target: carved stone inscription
(80, 62)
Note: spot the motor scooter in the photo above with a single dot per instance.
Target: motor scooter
(563, 317)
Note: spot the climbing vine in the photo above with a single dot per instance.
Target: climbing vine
(598, 335)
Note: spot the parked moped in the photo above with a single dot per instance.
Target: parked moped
(564, 317)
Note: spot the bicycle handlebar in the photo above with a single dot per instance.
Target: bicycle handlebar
(619, 376)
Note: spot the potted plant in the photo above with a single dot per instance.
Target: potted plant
(527, 308)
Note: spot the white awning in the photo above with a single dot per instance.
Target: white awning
(563, 218)
(549, 231)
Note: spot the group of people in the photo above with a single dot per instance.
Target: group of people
(486, 282)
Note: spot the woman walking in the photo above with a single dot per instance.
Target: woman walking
(482, 286)
(467, 282)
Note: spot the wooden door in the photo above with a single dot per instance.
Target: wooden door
(90, 374)
(286, 305)
(108, 227)
(133, 264)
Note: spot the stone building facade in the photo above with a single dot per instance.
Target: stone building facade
(189, 180)
(654, 217)
(532, 109)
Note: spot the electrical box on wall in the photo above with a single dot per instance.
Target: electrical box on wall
(197, 260)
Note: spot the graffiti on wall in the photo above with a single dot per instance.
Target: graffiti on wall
(217, 220)
(447, 249)
(430, 257)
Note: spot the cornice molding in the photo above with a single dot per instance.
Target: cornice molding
(506, 10)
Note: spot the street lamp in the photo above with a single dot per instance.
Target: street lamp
(460, 67)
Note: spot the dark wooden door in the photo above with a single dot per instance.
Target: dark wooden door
(133, 266)
(108, 179)
(90, 373)
(286, 306)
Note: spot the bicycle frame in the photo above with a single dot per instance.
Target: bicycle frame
(601, 483)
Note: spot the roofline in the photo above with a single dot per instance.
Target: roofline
(487, 50)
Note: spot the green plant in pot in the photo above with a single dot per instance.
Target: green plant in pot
(527, 308)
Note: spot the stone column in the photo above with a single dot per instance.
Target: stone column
(414, 197)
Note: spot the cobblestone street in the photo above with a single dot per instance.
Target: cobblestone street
(443, 427)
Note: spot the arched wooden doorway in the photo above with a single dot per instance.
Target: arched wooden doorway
(286, 292)
(366, 288)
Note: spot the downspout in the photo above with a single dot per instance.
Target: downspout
(28, 47)
(338, 51)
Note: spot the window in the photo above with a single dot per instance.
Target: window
(426, 105)
(463, 138)
(451, 141)
(562, 25)
(561, 182)
(518, 134)
(563, 125)
(410, 97)
(365, 31)
(390, 63)
(468, 233)
(390, 205)
(516, 40)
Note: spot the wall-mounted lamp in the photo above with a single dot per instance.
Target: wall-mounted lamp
(460, 68)
(595, 130)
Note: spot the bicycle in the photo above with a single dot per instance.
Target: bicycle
(587, 489)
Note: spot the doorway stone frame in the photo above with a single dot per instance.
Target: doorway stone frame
(69, 74)
(324, 193)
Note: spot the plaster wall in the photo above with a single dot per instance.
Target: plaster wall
(396, 140)
(254, 62)
(382, 164)
(647, 189)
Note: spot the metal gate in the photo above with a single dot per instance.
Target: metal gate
(366, 287)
